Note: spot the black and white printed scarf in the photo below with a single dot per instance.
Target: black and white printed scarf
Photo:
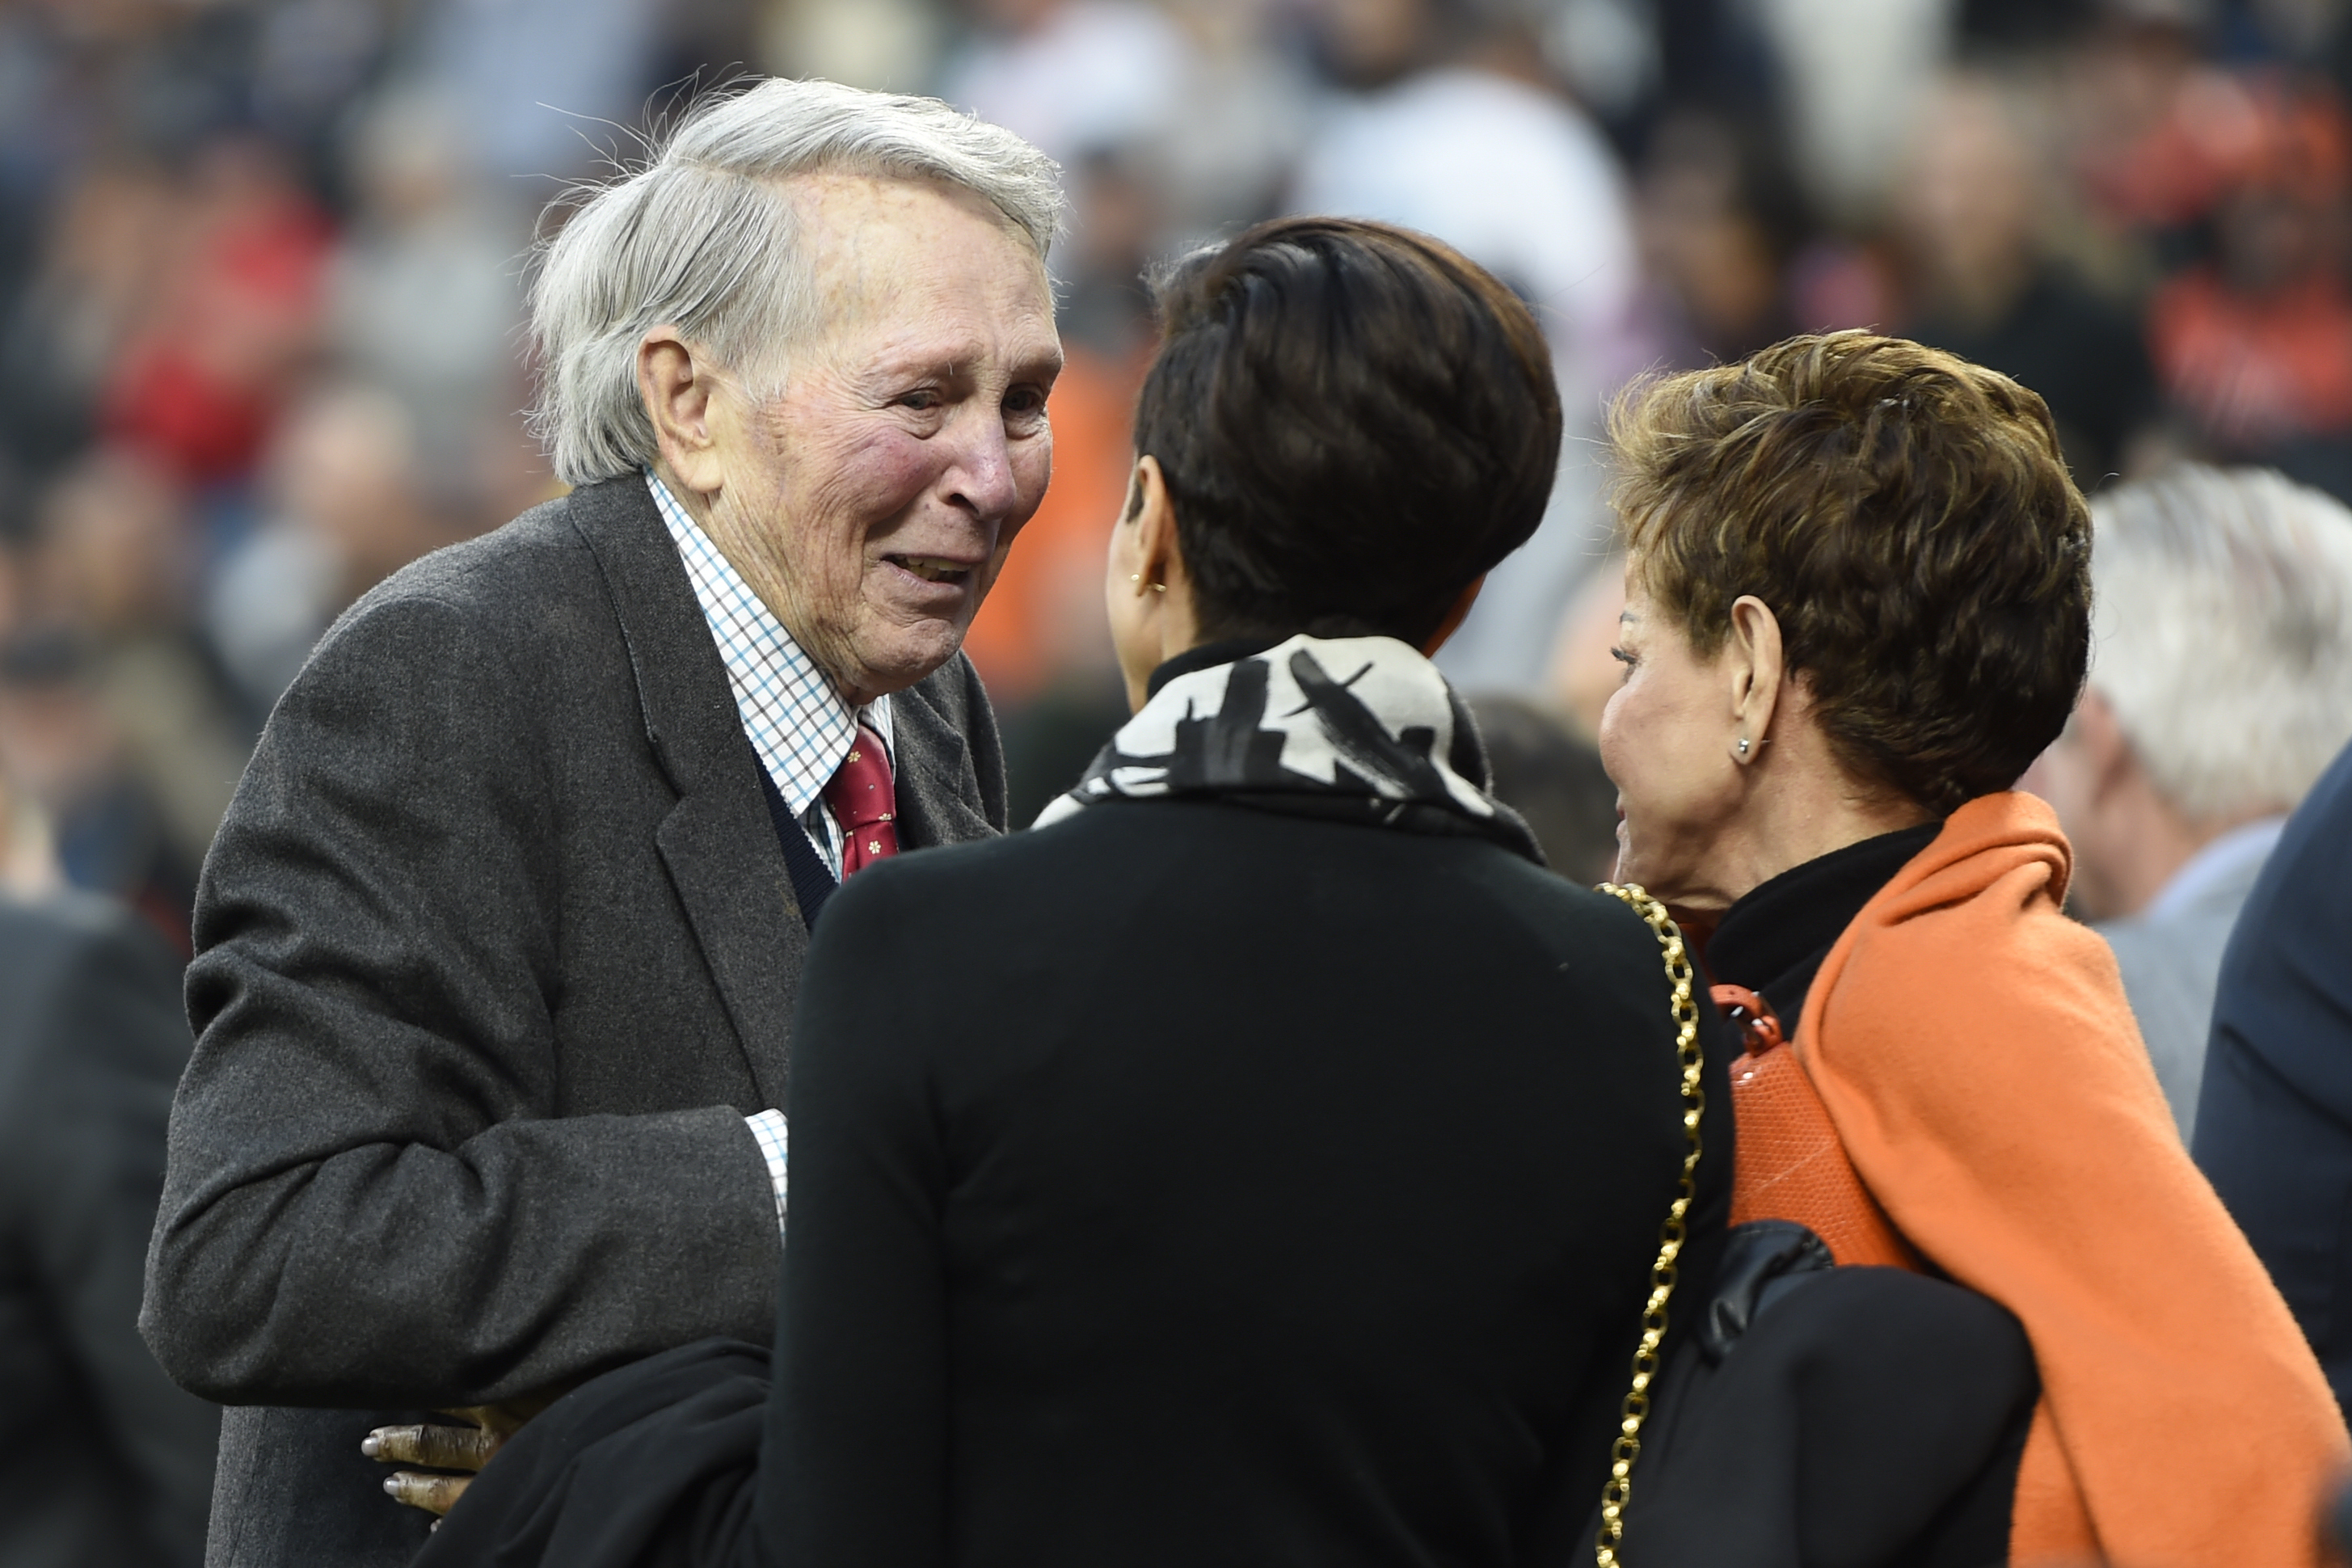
(1357, 729)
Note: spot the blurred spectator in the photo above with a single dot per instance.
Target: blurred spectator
(1553, 776)
(542, 89)
(110, 715)
(425, 294)
(1855, 69)
(103, 1463)
(1718, 222)
(1453, 130)
(2255, 347)
(1973, 223)
(882, 46)
(1245, 110)
(107, 248)
(2155, 127)
(2275, 1120)
(2220, 686)
(1584, 671)
(235, 322)
(56, 746)
(343, 513)
(1072, 76)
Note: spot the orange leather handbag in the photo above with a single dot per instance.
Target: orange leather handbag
(1791, 1164)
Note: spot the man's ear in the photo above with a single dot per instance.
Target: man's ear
(1757, 667)
(677, 385)
(2099, 736)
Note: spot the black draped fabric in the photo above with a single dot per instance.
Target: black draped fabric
(1773, 940)
(650, 1466)
(1829, 1417)
(1213, 1183)
(1860, 1422)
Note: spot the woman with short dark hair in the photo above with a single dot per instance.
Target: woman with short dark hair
(1272, 1163)
(1858, 598)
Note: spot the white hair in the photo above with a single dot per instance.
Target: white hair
(2224, 633)
(701, 237)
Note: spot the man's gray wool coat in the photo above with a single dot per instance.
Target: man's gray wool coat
(495, 948)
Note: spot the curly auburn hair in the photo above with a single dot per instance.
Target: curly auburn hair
(1908, 520)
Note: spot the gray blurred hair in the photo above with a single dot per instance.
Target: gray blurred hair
(2224, 633)
(701, 237)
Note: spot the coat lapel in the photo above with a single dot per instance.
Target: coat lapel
(938, 793)
(717, 841)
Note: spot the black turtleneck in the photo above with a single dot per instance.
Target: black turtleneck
(1774, 939)
(1207, 656)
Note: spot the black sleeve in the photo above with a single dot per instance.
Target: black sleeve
(855, 1469)
(370, 1199)
(83, 1150)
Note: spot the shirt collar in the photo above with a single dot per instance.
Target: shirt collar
(798, 722)
(2241, 849)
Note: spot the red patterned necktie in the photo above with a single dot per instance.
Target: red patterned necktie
(865, 801)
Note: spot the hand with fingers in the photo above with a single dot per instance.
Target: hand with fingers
(441, 1449)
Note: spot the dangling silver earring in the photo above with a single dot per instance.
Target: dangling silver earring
(1743, 745)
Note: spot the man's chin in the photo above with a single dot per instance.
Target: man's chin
(907, 654)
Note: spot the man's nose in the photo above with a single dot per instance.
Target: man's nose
(981, 476)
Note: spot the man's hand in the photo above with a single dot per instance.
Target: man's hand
(464, 1449)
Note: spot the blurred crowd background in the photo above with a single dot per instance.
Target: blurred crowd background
(262, 264)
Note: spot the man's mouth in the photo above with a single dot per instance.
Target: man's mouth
(932, 568)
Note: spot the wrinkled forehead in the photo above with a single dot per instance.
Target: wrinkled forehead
(906, 270)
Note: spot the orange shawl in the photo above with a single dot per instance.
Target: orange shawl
(1974, 1048)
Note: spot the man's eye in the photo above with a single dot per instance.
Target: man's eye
(1024, 405)
(923, 398)
(1621, 656)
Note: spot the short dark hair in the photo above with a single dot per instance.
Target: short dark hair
(1354, 422)
(1909, 521)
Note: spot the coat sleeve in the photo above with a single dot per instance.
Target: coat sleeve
(370, 1199)
(82, 1149)
(854, 1465)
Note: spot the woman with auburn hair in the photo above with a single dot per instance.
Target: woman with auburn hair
(1858, 599)
(1273, 1163)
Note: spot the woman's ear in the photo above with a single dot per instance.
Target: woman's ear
(1147, 591)
(1755, 664)
(1158, 551)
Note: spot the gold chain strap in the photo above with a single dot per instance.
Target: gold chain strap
(1671, 1236)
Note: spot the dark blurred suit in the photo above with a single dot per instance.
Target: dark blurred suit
(103, 1463)
(2274, 1123)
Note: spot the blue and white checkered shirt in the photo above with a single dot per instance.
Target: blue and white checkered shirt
(799, 725)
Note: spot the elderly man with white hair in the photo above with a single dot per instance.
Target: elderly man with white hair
(2221, 687)
(499, 945)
